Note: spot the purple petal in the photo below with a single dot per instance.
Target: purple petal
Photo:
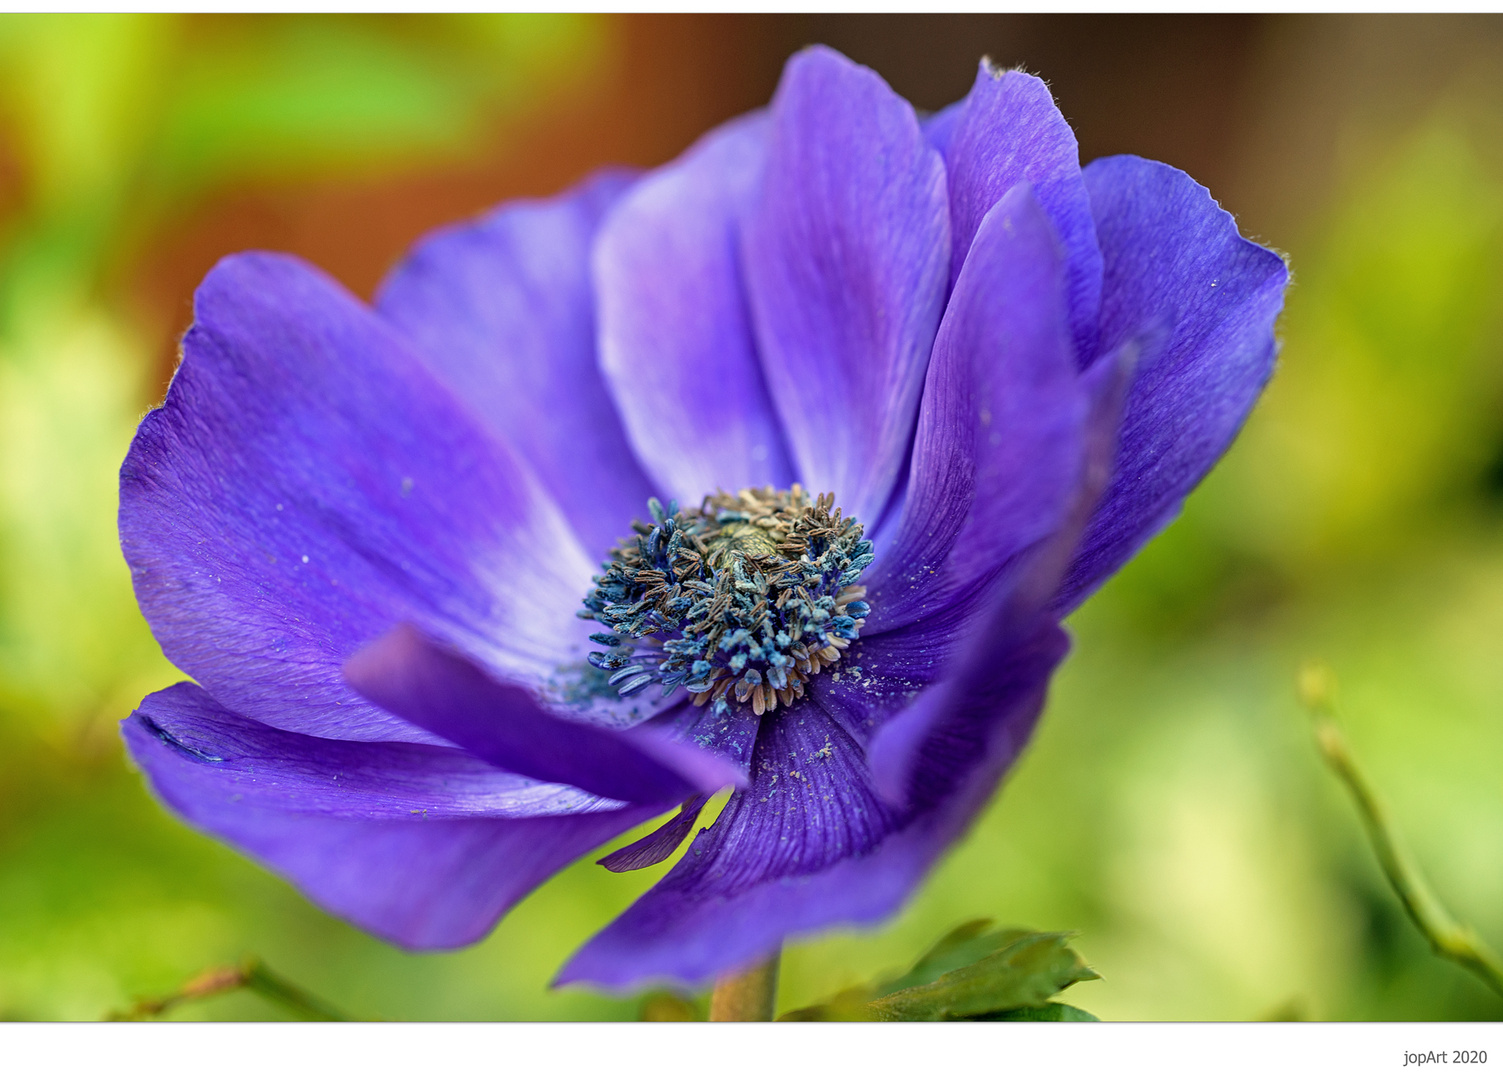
(999, 453)
(732, 735)
(948, 664)
(885, 671)
(446, 694)
(939, 127)
(1176, 264)
(1008, 132)
(503, 310)
(846, 262)
(917, 756)
(422, 845)
(675, 341)
(894, 667)
(658, 844)
(810, 845)
(308, 484)
(907, 678)
(810, 808)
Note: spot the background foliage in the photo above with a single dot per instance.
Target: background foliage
(1172, 809)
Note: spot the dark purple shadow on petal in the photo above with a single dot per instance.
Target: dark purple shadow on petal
(675, 336)
(449, 696)
(503, 310)
(809, 846)
(308, 484)
(847, 259)
(658, 844)
(1174, 260)
(1008, 132)
(998, 458)
(422, 845)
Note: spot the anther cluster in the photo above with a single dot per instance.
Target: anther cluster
(749, 596)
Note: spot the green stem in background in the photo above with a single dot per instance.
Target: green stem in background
(250, 975)
(748, 995)
(1450, 939)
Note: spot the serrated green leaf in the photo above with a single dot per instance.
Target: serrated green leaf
(968, 974)
(964, 945)
(1026, 971)
(1055, 1011)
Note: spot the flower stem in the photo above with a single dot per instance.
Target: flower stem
(250, 975)
(749, 994)
(1449, 939)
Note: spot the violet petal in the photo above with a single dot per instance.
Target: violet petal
(895, 667)
(503, 310)
(847, 255)
(1173, 259)
(306, 485)
(810, 807)
(449, 696)
(658, 844)
(1009, 131)
(675, 338)
(422, 845)
(917, 755)
(954, 659)
(732, 734)
(906, 689)
(939, 127)
(810, 845)
(998, 456)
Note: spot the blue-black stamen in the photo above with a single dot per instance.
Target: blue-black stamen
(749, 596)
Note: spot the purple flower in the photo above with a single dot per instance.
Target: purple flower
(368, 534)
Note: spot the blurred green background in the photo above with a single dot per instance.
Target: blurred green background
(1172, 808)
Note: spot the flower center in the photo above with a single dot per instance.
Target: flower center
(749, 596)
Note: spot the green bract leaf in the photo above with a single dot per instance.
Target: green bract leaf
(966, 944)
(1025, 971)
(970, 975)
(1054, 1011)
